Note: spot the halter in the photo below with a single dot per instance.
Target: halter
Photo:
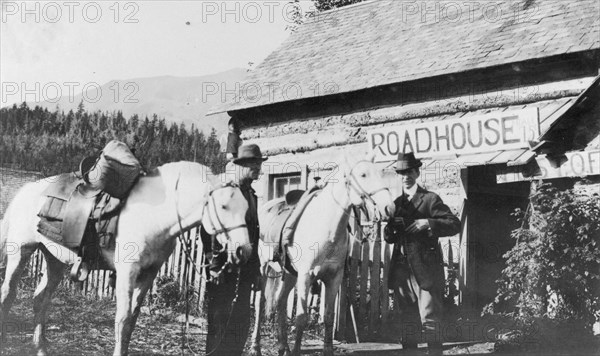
(222, 229)
(362, 193)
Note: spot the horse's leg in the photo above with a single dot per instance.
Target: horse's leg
(143, 284)
(15, 265)
(282, 297)
(258, 318)
(127, 274)
(331, 288)
(42, 298)
(132, 286)
(303, 285)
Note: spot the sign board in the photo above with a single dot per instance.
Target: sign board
(572, 164)
(496, 131)
(577, 164)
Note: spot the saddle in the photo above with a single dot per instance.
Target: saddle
(283, 226)
(81, 211)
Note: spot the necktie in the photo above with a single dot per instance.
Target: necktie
(405, 199)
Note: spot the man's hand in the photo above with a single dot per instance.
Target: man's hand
(417, 226)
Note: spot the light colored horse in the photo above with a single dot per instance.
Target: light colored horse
(172, 198)
(320, 250)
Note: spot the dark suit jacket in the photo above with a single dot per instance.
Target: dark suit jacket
(422, 257)
(253, 227)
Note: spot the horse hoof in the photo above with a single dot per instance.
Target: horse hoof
(41, 352)
(284, 352)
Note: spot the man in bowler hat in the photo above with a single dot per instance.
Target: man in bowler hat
(229, 314)
(416, 270)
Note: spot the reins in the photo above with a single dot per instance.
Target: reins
(221, 230)
(351, 183)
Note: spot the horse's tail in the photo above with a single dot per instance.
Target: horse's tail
(270, 291)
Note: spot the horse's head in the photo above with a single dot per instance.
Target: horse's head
(366, 187)
(225, 218)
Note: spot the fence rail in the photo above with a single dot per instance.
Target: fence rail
(177, 266)
(362, 306)
(364, 303)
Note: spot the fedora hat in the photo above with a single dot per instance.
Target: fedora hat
(407, 161)
(249, 153)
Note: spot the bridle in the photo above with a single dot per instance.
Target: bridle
(219, 228)
(353, 184)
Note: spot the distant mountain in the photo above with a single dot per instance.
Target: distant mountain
(177, 99)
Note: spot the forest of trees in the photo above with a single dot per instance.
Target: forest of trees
(55, 142)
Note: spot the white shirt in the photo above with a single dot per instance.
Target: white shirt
(410, 193)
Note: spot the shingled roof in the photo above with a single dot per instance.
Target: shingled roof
(384, 42)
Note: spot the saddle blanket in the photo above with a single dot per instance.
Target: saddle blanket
(102, 225)
(73, 215)
(285, 215)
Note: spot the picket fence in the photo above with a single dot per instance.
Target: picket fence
(362, 306)
(178, 267)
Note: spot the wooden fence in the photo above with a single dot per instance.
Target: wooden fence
(97, 284)
(363, 303)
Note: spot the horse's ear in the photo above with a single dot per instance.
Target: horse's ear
(230, 182)
(370, 156)
(346, 165)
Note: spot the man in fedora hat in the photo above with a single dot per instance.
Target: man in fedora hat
(229, 314)
(416, 270)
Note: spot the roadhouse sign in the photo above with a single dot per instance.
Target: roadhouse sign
(501, 130)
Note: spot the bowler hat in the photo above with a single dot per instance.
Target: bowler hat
(407, 161)
(249, 153)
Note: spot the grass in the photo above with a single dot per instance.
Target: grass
(80, 325)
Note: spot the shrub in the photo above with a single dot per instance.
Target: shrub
(552, 274)
(168, 296)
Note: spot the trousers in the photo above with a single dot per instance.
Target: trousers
(228, 322)
(420, 311)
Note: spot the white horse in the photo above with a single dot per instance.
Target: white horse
(172, 198)
(320, 250)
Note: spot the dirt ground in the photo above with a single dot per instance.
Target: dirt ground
(78, 325)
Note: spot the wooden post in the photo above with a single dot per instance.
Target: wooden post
(364, 283)
(352, 279)
(375, 284)
(466, 298)
(385, 297)
(342, 310)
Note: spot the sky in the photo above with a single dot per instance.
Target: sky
(45, 44)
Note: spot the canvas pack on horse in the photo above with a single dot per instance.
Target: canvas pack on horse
(319, 248)
(170, 199)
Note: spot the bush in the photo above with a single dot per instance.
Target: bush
(168, 297)
(552, 277)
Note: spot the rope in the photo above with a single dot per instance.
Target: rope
(189, 261)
